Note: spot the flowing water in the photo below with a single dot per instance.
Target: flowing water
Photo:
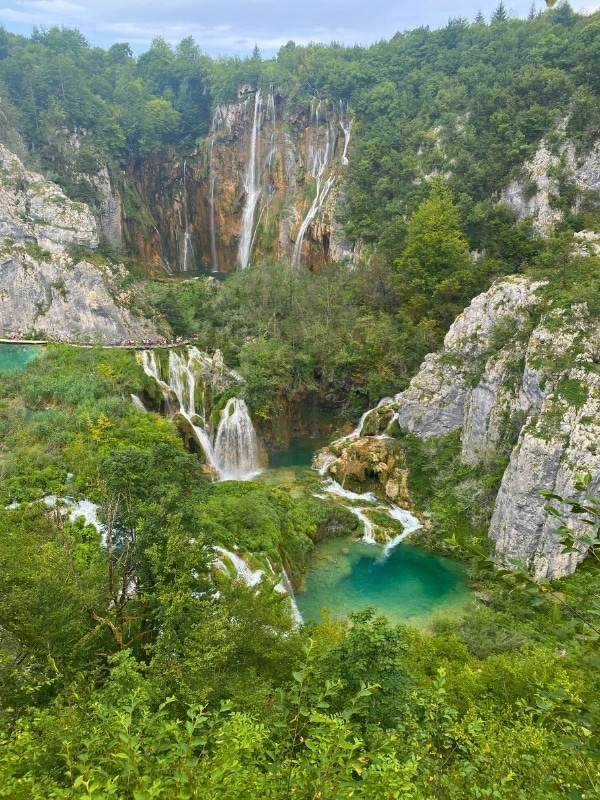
(16, 356)
(232, 450)
(406, 583)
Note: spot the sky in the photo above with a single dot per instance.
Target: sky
(233, 27)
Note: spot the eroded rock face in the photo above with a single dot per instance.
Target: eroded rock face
(533, 197)
(462, 381)
(559, 441)
(514, 379)
(288, 164)
(41, 288)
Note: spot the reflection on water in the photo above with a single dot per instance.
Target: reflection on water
(410, 585)
(15, 356)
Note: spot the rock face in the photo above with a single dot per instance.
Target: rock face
(264, 183)
(43, 290)
(515, 378)
(534, 195)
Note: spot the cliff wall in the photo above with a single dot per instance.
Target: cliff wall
(264, 183)
(513, 374)
(46, 288)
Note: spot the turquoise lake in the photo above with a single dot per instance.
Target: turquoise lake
(411, 585)
(15, 356)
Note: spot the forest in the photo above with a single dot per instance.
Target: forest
(130, 666)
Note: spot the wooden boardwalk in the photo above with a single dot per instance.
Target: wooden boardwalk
(132, 346)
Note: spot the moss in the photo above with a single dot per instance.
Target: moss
(573, 391)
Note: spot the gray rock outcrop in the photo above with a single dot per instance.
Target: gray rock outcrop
(533, 196)
(45, 290)
(516, 379)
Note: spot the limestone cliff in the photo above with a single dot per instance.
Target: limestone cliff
(537, 192)
(264, 183)
(513, 373)
(45, 290)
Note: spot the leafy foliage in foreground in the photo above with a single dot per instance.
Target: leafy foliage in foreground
(123, 675)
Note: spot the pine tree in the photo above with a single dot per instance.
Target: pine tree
(500, 14)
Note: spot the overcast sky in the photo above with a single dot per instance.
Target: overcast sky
(233, 26)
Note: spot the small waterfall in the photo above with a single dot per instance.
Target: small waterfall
(233, 451)
(285, 585)
(251, 186)
(409, 522)
(345, 125)
(236, 445)
(319, 158)
(138, 403)
(244, 573)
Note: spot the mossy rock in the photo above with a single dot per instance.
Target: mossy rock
(377, 421)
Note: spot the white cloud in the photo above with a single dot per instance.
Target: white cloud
(234, 26)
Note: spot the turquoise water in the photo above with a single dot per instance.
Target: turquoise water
(411, 585)
(15, 356)
(288, 467)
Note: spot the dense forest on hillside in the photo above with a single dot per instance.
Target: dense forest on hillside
(130, 665)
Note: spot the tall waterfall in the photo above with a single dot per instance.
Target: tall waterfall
(236, 445)
(232, 451)
(320, 154)
(251, 186)
(345, 125)
(188, 260)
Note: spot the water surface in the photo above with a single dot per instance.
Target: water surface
(411, 585)
(15, 356)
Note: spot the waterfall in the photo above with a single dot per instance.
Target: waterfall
(138, 403)
(244, 573)
(188, 247)
(345, 125)
(285, 585)
(236, 445)
(251, 186)
(253, 577)
(409, 522)
(233, 451)
(319, 159)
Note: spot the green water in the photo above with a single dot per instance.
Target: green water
(287, 467)
(411, 585)
(15, 356)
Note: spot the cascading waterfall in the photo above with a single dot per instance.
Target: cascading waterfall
(233, 451)
(345, 125)
(319, 158)
(236, 445)
(253, 577)
(251, 186)
(409, 522)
